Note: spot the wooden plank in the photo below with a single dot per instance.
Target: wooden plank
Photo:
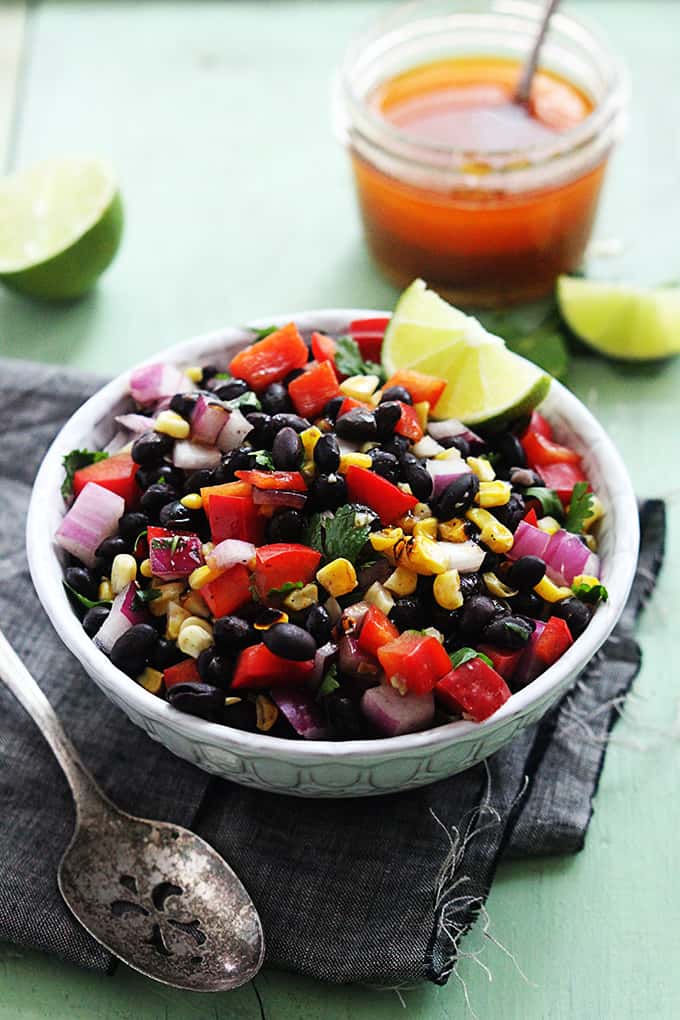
(12, 37)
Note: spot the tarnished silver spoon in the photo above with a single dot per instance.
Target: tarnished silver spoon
(154, 894)
(523, 90)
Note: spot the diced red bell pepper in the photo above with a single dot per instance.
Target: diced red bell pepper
(420, 386)
(530, 517)
(409, 423)
(504, 662)
(538, 423)
(271, 359)
(284, 561)
(419, 660)
(377, 630)
(117, 474)
(350, 404)
(257, 667)
(232, 513)
(184, 672)
(540, 451)
(228, 592)
(323, 347)
(312, 390)
(388, 500)
(474, 688)
(562, 478)
(554, 641)
(173, 554)
(368, 334)
(286, 481)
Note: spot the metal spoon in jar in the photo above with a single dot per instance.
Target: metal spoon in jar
(523, 91)
(154, 894)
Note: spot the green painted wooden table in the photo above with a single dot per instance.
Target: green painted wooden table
(239, 204)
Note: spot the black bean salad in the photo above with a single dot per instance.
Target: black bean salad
(293, 544)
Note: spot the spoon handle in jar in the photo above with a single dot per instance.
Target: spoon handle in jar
(529, 69)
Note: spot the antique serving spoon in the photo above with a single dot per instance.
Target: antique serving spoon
(523, 91)
(154, 894)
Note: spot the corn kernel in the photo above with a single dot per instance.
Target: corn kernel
(201, 576)
(591, 542)
(495, 586)
(588, 579)
(338, 577)
(151, 680)
(402, 581)
(175, 618)
(309, 438)
(423, 555)
(454, 530)
(598, 512)
(232, 701)
(375, 398)
(145, 568)
(451, 454)
(481, 467)
(196, 621)
(384, 541)
(266, 713)
(169, 592)
(171, 424)
(302, 598)
(399, 684)
(549, 525)
(123, 572)
(378, 595)
(193, 501)
(493, 534)
(270, 618)
(446, 590)
(368, 446)
(195, 604)
(359, 387)
(348, 460)
(422, 409)
(427, 526)
(207, 548)
(493, 493)
(105, 591)
(192, 639)
(551, 592)
(194, 372)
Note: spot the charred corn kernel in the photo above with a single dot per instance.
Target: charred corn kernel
(551, 592)
(481, 467)
(493, 534)
(301, 598)
(402, 581)
(266, 713)
(201, 576)
(170, 592)
(399, 684)
(268, 618)
(171, 424)
(151, 680)
(549, 525)
(123, 572)
(192, 639)
(598, 512)
(422, 409)
(105, 592)
(436, 634)
(338, 577)
(360, 387)
(446, 590)
(495, 586)
(175, 617)
(493, 493)
(384, 541)
(423, 555)
(193, 501)
(309, 438)
(145, 568)
(455, 530)
(348, 460)
(380, 597)
(194, 372)
(195, 604)
(427, 526)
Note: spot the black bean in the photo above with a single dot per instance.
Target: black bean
(231, 633)
(261, 432)
(525, 477)
(130, 525)
(183, 404)
(165, 654)
(459, 443)
(527, 603)
(478, 612)
(511, 632)
(164, 474)
(214, 668)
(275, 399)
(526, 572)
(319, 625)
(202, 700)
(293, 374)
(287, 451)
(290, 642)
(112, 547)
(458, 496)
(512, 513)
(293, 421)
(132, 650)
(408, 614)
(173, 515)
(344, 719)
(575, 614)
(386, 465)
(327, 454)
(386, 416)
(231, 389)
(94, 618)
(242, 715)
(156, 497)
(331, 409)
(397, 445)
(417, 476)
(446, 620)
(396, 393)
(82, 581)
(208, 372)
(471, 584)
(151, 448)
(490, 563)
(510, 449)
(199, 480)
(285, 526)
(358, 425)
(328, 492)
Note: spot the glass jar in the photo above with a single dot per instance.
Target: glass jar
(491, 226)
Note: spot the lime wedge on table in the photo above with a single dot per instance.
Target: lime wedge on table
(634, 323)
(487, 383)
(60, 227)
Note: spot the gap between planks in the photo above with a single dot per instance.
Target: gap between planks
(12, 36)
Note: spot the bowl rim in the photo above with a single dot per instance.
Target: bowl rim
(41, 549)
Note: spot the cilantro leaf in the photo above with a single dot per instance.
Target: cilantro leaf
(549, 500)
(314, 533)
(464, 655)
(343, 537)
(590, 593)
(246, 399)
(260, 334)
(263, 459)
(286, 587)
(87, 603)
(329, 683)
(348, 359)
(222, 376)
(74, 461)
(580, 508)
(144, 595)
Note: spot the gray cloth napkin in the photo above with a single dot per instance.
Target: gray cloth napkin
(376, 890)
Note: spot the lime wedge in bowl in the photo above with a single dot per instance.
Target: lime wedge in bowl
(631, 323)
(486, 383)
(60, 227)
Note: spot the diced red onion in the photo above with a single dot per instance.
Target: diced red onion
(279, 497)
(122, 616)
(465, 557)
(355, 662)
(117, 442)
(93, 517)
(170, 564)
(452, 427)
(566, 557)
(207, 421)
(137, 423)
(230, 552)
(426, 447)
(529, 666)
(235, 430)
(152, 382)
(325, 655)
(528, 541)
(301, 711)
(333, 608)
(443, 472)
(393, 713)
(192, 456)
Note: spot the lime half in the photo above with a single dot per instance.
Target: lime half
(60, 227)
(633, 323)
(486, 383)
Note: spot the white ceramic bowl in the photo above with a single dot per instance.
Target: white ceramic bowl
(325, 768)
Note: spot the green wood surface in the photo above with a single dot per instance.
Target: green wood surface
(238, 205)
